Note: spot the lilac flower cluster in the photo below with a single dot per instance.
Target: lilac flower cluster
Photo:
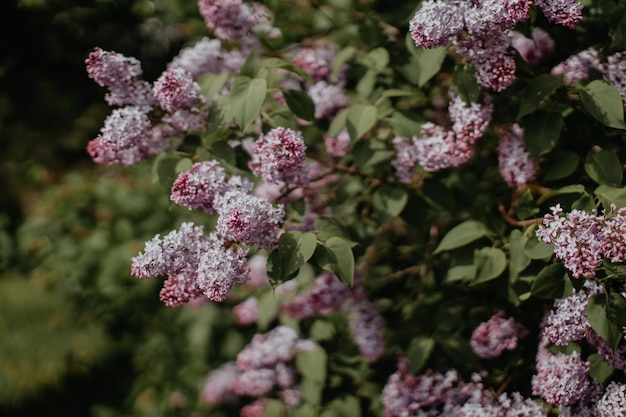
(582, 239)
(535, 49)
(444, 394)
(438, 148)
(195, 264)
(515, 163)
(329, 295)
(613, 401)
(243, 218)
(496, 335)
(279, 157)
(327, 92)
(234, 19)
(561, 379)
(129, 135)
(338, 146)
(264, 365)
(482, 31)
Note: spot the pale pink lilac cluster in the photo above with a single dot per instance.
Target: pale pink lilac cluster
(130, 134)
(338, 146)
(613, 401)
(437, 148)
(127, 138)
(234, 19)
(561, 379)
(582, 239)
(445, 394)
(482, 32)
(196, 265)
(315, 58)
(496, 335)
(516, 165)
(198, 187)
(534, 49)
(279, 157)
(568, 322)
(218, 385)
(207, 56)
(120, 75)
(267, 363)
(577, 66)
(247, 311)
(366, 325)
(326, 296)
(255, 408)
(563, 12)
(247, 219)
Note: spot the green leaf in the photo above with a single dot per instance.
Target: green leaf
(461, 272)
(322, 330)
(419, 351)
(295, 249)
(389, 201)
(165, 170)
(603, 101)
(490, 264)
(300, 104)
(347, 406)
(376, 59)
(606, 313)
(465, 84)
(286, 65)
(312, 366)
(246, 99)
(368, 153)
(536, 249)
(604, 167)
(212, 84)
(335, 255)
(519, 260)
(542, 130)
(600, 369)
(611, 195)
(224, 152)
(338, 123)
(562, 165)
(327, 227)
(341, 57)
(550, 282)
(425, 63)
(360, 119)
(461, 235)
(540, 88)
(568, 189)
(251, 67)
(526, 207)
(404, 124)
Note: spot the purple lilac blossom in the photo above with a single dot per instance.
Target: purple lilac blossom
(533, 50)
(315, 58)
(267, 350)
(577, 66)
(613, 402)
(617, 359)
(405, 161)
(338, 146)
(180, 289)
(254, 409)
(581, 239)
(221, 267)
(563, 12)
(435, 23)
(515, 163)
(561, 379)
(207, 56)
(247, 312)
(496, 335)
(126, 138)
(119, 74)
(568, 321)
(199, 186)
(291, 396)
(218, 386)
(585, 407)
(279, 157)
(248, 219)
(616, 73)
(326, 296)
(254, 382)
(232, 19)
(175, 89)
(328, 98)
(366, 325)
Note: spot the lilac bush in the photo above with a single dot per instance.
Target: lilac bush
(424, 219)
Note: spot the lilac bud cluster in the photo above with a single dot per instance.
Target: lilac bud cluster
(279, 157)
(444, 394)
(582, 239)
(129, 134)
(482, 32)
(515, 163)
(496, 335)
(264, 365)
(438, 148)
